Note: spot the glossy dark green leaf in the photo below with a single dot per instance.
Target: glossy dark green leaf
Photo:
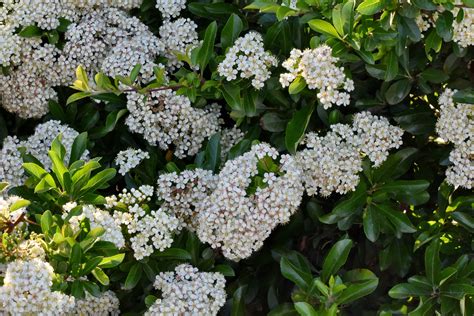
(231, 30)
(398, 91)
(295, 274)
(133, 277)
(305, 309)
(336, 258)
(297, 126)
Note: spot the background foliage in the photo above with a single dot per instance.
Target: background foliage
(402, 242)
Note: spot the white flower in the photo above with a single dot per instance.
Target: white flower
(129, 159)
(319, 70)
(105, 304)
(332, 163)
(167, 119)
(456, 125)
(249, 59)
(140, 49)
(463, 32)
(188, 292)
(179, 36)
(184, 193)
(170, 8)
(150, 230)
(98, 218)
(238, 222)
(27, 290)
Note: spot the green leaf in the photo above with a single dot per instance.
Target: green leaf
(323, 27)
(213, 153)
(297, 126)
(135, 72)
(399, 220)
(444, 25)
(337, 19)
(284, 12)
(371, 223)
(78, 147)
(297, 85)
(3, 186)
(363, 282)
(406, 290)
(231, 31)
(112, 261)
(30, 31)
(100, 179)
(90, 265)
(78, 96)
(304, 309)
(46, 221)
(173, 253)
(238, 302)
(18, 204)
(370, 7)
(100, 276)
(392, 66)
(75, 259)
(273, 122)
(43, 186)
(464, 96)
(295, 274)
(336, 258)
(434, 75)
(225, 270)
(464, 219)
(207, 48)
(398, 91)
(110, 123)
(433, 262)
(133, 277)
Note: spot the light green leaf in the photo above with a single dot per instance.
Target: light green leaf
(323, 27)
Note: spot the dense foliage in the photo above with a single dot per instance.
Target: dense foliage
(295, 157)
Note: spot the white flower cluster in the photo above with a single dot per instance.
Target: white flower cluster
(28, 87)
(239, 222)
(463, 32)
(248, 57)
(31, 249)
(331, 163)
(44, 14)
(107, 304)
(26, 290)
(320, 71)
(91, 40)
(423, 22)
(97, 218)
(150, 230)
(140, 49)
(184, 193)
(179, 37)
(186, 291)
(170, 8)
(374, 136)
(456, 125)
(38, 145)
(102, 38)
(129, 159)
(169, 121)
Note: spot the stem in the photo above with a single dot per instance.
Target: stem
(11, 226)
(175, 87)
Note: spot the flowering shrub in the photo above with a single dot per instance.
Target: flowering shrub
(280, 157)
